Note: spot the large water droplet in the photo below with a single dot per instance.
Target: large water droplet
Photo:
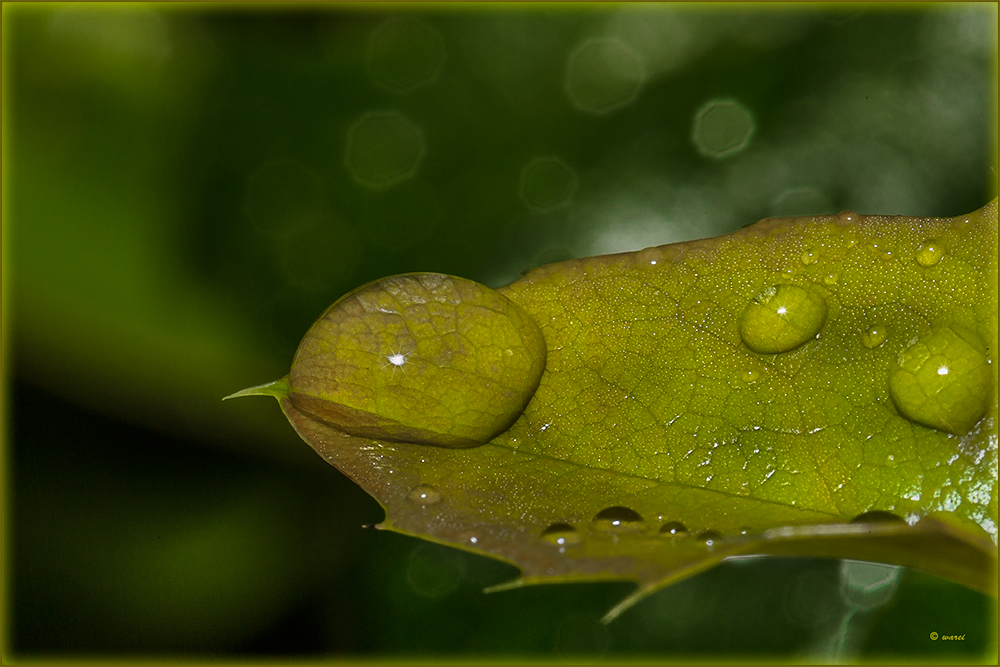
(424, 495)
(673, 528)
(561, 535)
(419, 358)
(942, 380)
(874, 336)
(619, 520)
(810, 257)
(781, 318)
(929, 253)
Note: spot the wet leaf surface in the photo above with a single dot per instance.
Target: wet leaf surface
(804, 386)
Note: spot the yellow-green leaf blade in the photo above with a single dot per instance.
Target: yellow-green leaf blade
(654, 405)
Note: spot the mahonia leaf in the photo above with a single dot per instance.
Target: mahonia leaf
(818, 386)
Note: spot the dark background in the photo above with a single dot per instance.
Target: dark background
(187, 187)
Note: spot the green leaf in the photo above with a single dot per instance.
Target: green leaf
(822, 386)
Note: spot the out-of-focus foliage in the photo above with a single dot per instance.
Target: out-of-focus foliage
(185, 188)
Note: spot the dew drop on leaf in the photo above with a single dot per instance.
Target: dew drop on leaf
(619, 520)
(424, 495)
(471, 361)
(809, 257)
(673, 528)
(929, 253)
(962, 223)
(781, 318)
(561, 535)
(873, 336)
(942, 380)
(847, 217)
(709, 537)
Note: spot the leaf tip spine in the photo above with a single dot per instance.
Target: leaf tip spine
(278, 389)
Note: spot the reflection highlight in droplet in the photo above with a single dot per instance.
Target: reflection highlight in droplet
(710, 538)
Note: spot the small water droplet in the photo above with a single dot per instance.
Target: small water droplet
(877, 516)
(561, 535)
(619, 520)
(468, 537)
(874, 336)
(745, 377)
(810, 257)
(962, 224)
(649, 256)
(424, 495)
(847, 217)
(942, 380)
(781, 318)
(709, 537)
(673, 528)
(929, 253)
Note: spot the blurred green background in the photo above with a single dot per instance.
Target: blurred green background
(186, 188)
